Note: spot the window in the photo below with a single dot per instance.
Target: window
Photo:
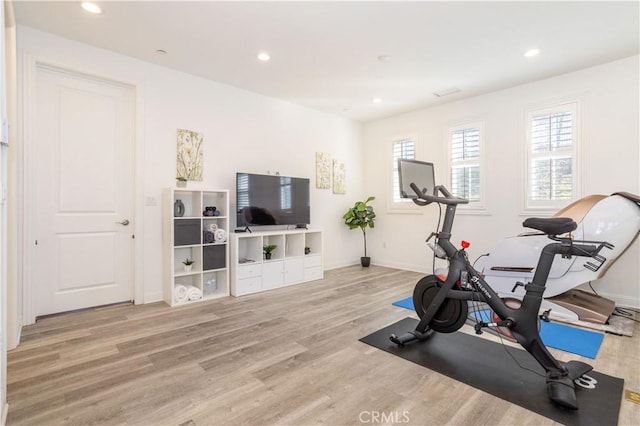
(466, 164)
(552, 141)
(401, 148)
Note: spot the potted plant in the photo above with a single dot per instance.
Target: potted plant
(268, 249)
(181, 182)
(361, 216)
(307, 250)
(188, 264)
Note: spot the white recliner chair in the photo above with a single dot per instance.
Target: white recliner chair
(614, 219)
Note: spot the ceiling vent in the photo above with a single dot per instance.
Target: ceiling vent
(445, 92)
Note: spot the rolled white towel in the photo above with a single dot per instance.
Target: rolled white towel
(194, 293)
(180, 293)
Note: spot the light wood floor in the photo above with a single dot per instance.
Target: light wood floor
(289, 356)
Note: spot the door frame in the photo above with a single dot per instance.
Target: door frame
(27, 97)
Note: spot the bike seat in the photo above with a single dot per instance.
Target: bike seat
(551, 225)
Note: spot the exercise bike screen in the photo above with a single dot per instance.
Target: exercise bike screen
(419, 172)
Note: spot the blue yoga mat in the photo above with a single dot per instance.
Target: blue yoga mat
(558, 336)
(405, 303)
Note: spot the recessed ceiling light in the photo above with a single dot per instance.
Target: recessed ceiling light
(264, 56)
(384, 58)
(531, 53)
(161, 52)
(377, 100)
(91, 7)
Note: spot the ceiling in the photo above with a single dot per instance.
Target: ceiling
(324, 55)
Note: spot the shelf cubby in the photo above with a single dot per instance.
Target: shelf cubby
(184, 238)
(294, 244)
(252, 273)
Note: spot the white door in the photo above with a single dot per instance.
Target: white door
(83, 191)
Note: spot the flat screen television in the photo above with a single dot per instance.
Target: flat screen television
(271, 200)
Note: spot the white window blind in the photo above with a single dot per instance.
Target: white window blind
(552, 161)
(406, 149)
(551, 157)
(465, 144)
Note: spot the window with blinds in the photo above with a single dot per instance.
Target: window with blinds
(551, 150)
(406, 149)
(551, 156)
(465, 162)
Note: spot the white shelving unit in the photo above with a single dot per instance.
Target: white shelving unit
(296, 259)
(188, 237)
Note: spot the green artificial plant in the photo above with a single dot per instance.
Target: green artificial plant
(268, 248)
(362, 216)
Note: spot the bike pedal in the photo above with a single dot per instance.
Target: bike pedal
(545, 316)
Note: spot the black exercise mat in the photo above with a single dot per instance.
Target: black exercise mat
(486, 366)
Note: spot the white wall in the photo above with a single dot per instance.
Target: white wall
(609, 154)
(243, 131)
(7, 48)
(249, 132)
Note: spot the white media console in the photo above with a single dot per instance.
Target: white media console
(297, 258)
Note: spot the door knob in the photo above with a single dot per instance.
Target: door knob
(124, 222)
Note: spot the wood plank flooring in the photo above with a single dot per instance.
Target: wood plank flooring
(287, 357)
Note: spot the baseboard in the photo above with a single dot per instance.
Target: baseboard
(18, 335)
(622, 301)
(5, 412)
(14, 336)
(153, 297)
(339, 265)
(404, 266)
(392, 265)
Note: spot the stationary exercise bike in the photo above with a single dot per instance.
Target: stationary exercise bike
(442, 305)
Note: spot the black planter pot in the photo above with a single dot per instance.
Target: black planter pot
(365, 261)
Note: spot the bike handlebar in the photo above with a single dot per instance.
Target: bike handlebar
(423, 199)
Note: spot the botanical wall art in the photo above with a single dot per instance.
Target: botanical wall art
(323, 170)
(189, 154)
(339, 178)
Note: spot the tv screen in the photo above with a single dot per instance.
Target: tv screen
(271, 200)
